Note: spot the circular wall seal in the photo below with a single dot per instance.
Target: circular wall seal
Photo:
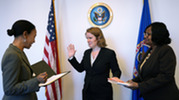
(100, 15)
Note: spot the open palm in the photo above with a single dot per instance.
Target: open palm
(71, 50)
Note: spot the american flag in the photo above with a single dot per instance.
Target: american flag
(53, 91)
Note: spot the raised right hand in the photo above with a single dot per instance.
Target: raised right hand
(71, 50)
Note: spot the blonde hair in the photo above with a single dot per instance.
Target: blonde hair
(99, 36)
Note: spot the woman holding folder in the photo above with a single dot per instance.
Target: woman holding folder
(18, 80)
(97, 62)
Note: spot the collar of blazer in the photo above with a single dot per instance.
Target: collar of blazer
(99, 56)
(20, 53)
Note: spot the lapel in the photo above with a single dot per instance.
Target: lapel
(24, 57)
(22, 54)
(151, 58)
(88, 57)
(98, 57)
(148, 61)
(143, 59)
(140, 70)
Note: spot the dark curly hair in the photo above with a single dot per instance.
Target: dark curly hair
(160, 34)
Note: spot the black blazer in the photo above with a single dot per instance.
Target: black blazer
(96, 86)
(156, 78)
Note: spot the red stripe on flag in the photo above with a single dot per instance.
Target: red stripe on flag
(54, 90)
(45, 53)
(46, 93)
(47, 40)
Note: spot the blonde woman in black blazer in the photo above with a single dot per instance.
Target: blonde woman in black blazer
(18, 82)
(157, 68)
(97, 62)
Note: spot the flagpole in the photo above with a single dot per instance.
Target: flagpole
(56, 30)
(56, 33)
(58, 60)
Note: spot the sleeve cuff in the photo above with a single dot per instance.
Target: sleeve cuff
(71, 58)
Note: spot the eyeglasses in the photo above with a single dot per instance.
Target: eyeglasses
(147, 34)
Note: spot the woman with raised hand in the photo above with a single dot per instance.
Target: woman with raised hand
(97, 62)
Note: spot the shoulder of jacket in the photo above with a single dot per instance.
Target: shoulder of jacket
(107, 50)
(165, 47)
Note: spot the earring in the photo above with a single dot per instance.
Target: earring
(24, 40)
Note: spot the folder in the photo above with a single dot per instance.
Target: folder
(41, 67)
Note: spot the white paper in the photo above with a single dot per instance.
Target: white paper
(53, 78)
(119, 83)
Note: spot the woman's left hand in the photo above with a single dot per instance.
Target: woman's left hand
(133, 85)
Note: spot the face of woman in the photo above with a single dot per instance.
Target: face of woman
(148, 36)
(30, 39)
(91, 39)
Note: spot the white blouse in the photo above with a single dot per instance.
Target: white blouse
(93, 59)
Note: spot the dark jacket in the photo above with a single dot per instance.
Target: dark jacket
(156, 78)
(18, 83)
(96, 86)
